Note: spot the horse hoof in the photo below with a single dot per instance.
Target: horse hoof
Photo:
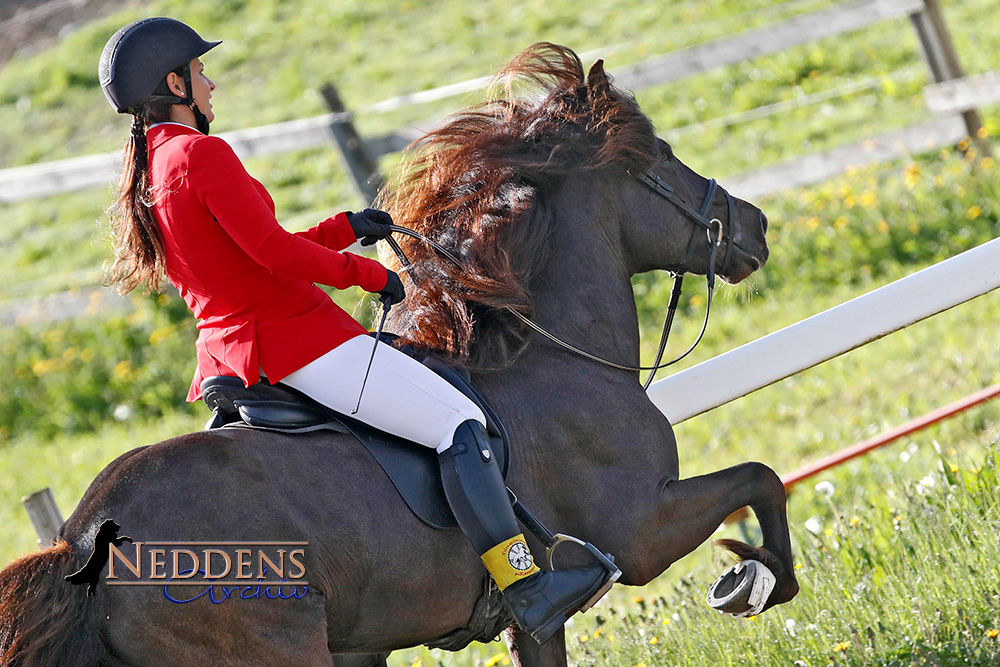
(742, 590)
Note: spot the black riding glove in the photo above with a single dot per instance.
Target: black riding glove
(393, 290)
(370, 225)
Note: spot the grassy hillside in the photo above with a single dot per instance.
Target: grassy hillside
(82, 392)
(275, 56)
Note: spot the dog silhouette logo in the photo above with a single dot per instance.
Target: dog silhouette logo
(90, 573)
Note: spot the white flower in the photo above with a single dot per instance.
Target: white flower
(790, 626)
(826, 488)
(122, 412)
(813, 525)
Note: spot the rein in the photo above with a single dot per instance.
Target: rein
(715, 234)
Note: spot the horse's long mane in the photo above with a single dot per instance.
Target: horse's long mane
(480, 185)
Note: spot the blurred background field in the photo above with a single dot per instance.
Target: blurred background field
(899, 565)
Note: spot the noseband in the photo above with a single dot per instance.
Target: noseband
(715, 234)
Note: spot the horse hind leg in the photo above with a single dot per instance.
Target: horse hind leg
(360, 660)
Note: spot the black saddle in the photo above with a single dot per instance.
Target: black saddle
(413, 469)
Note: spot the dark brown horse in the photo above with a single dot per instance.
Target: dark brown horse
(538, 193)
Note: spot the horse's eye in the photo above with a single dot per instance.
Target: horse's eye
(666, 152)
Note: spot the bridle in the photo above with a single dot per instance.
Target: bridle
(715, 234)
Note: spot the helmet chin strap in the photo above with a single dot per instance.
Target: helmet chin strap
(200, 119)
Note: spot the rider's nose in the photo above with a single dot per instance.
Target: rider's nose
(763, 222)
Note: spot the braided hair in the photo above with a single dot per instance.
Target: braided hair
(139, 258)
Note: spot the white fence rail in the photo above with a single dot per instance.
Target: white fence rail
(829, 334)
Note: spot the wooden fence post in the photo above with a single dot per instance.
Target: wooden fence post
(942, 61)
(362, 167)
(44, 514)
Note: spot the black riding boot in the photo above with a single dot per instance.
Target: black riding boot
(540, 601)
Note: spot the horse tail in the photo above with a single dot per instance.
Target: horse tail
(43, 619)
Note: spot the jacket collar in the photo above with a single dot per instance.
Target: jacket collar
(159, 134)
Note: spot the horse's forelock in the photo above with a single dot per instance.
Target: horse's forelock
(477, 185)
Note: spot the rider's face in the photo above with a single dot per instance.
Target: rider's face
(202, 85)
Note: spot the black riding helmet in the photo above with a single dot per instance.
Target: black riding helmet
(136, 60)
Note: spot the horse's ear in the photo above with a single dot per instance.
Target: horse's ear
(598, 85)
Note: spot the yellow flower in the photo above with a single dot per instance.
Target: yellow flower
(417, 663)
(495, 660)
(963, 144)
(812, 223)
(653, 640)
(982, 133)
(854, 521)
(986, 162)
(638, 599)
(840, 222)
(87, 356)
(582, 638)
(666, 621)
(122, 369)
(42, 367)
(160, 334)
(798, 566)
(974, 212)
(992, 633)
(911, 174)
(842, 646)
(597, 632)
(868, 199)
(883, 227)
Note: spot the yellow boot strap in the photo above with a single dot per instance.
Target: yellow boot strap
(510, 561)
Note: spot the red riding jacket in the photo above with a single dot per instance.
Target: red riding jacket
(247, 280)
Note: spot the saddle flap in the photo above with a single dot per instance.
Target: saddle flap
(412, 469)
(284, 415)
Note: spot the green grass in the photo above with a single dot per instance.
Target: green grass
(51, 106)
(900, 572)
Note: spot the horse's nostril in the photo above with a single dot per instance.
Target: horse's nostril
(763, 222)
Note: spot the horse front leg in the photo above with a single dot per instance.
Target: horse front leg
(526, 652)
(690, 510)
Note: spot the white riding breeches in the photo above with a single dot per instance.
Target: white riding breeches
(402, 396)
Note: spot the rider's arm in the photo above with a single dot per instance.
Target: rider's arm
(221, 183)
(334, 233)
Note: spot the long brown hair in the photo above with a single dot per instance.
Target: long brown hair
(138, 248)
(481, 186)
